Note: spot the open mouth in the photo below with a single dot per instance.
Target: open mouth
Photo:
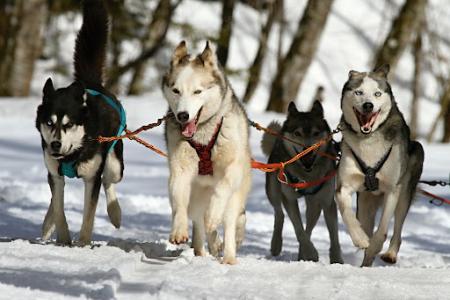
(308, 159)
(188, 129)
(366, 121)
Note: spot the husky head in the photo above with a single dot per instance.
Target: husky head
(306, 128)
(194, 87)
(367, 99)
(60, 119)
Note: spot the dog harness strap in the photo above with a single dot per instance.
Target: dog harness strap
(371, 182)
(118, 107)
(205, 166)
(68, 168)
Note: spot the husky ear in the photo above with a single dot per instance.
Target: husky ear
(317, 109)
(48, 88)
(208, 56)
(292, 109)
(179, 53)
(353, 73)
(382, 70)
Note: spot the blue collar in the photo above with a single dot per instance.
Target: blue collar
(68, 168)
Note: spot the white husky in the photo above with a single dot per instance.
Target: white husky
(209, 154)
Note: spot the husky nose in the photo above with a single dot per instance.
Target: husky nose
(183, 117)
(56, 146)
(367, 107)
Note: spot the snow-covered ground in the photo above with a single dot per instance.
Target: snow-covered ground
(138, 262)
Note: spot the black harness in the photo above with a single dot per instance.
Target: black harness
(371, 182)
(303, 192)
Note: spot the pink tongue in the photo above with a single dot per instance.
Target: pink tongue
(189, 129)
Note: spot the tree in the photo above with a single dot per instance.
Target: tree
(255, 69)
(21, 35)
(223, 41)
(292, 70)
(401, 34)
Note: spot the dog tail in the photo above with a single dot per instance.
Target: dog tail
(90, 47)
(268, 140)
(415, 166)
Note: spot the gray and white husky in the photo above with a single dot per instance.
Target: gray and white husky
(209, 154)
(305, 128)
(379, 162)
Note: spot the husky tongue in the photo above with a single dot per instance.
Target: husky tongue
(188, 130)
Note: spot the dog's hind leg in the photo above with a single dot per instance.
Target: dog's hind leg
(91, 192)
(306, 250)
(56, 183)
(240, 229)
(196, 210)
(112, 174)
(331, 219)
(274, 195)
(366, 210)
(48, 227)
(313, 211)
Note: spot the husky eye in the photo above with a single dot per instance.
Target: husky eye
(176, 91)
(197, 92)
(358, 92)
(50, 123)
(316, 134)
(377, 94)
(69, 125)
(297, 134)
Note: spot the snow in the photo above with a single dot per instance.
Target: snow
(138, 262)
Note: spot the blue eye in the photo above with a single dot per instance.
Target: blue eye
(377, 94)
(50, 123)
(358, 92)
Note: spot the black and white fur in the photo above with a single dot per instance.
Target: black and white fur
(305, 128)
(373, 124)
(69, 120)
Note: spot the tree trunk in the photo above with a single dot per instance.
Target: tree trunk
(158, 27)
(157, 33)
(255, 69)
(401, 34)
(416, 85)
(223, 42)
(21, 36)
(292, 70)
(445, 102)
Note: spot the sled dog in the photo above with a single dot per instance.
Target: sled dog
(209, 154)
(305, 128)
(69, 119)
(379, 162)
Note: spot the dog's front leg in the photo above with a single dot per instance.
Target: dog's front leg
(179, 192)
(344, 200)
(91, 192)
(377, 240)
(57, 183)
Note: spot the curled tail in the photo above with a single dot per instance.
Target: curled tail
(90, 47)
(268, 140)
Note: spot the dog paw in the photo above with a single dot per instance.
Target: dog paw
(114, 213)
(199, 252)
(360, 239)
(229, 261)
(179, 236)
(64, 240)
(336, 256)
(389, 257)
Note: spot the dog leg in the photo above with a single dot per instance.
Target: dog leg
(331, 219)
(91, 192)
(306, 251)
(48, 227)
(62, 230)
(240, 229)
(344, 200)
(377, 240)
(400, 215)
(367, 207)
(179, 192)
(274, 195)
(198, 237)
(313, 211)
(112, 174)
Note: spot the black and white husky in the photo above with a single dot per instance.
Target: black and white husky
(379, 162)
(69, 119)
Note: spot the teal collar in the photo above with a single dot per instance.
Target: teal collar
(68, 169)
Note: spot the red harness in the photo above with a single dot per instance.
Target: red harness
(205, 166)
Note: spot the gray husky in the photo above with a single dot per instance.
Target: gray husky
(306, 128)
(379, 162)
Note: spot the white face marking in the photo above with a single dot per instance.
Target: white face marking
(197, 89)
(54, 118)
(65, 120)
(368, 92)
